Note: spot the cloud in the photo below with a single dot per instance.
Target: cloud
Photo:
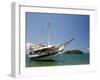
(88, 48)
(28, 45)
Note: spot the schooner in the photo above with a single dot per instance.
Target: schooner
(46, 52)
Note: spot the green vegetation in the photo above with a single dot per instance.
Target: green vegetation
(73, 52)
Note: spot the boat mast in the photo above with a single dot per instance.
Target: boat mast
(49, 25)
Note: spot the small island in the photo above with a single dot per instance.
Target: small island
(74, 52)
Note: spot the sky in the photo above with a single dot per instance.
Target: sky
(62, 28)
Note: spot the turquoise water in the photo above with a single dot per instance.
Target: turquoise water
(63, 59)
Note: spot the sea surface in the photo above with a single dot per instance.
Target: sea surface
(63, 59)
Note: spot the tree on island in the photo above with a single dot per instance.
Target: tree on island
(74, 52)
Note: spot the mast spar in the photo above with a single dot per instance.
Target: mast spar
(49, 27)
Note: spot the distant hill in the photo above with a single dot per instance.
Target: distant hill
(73, 52)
